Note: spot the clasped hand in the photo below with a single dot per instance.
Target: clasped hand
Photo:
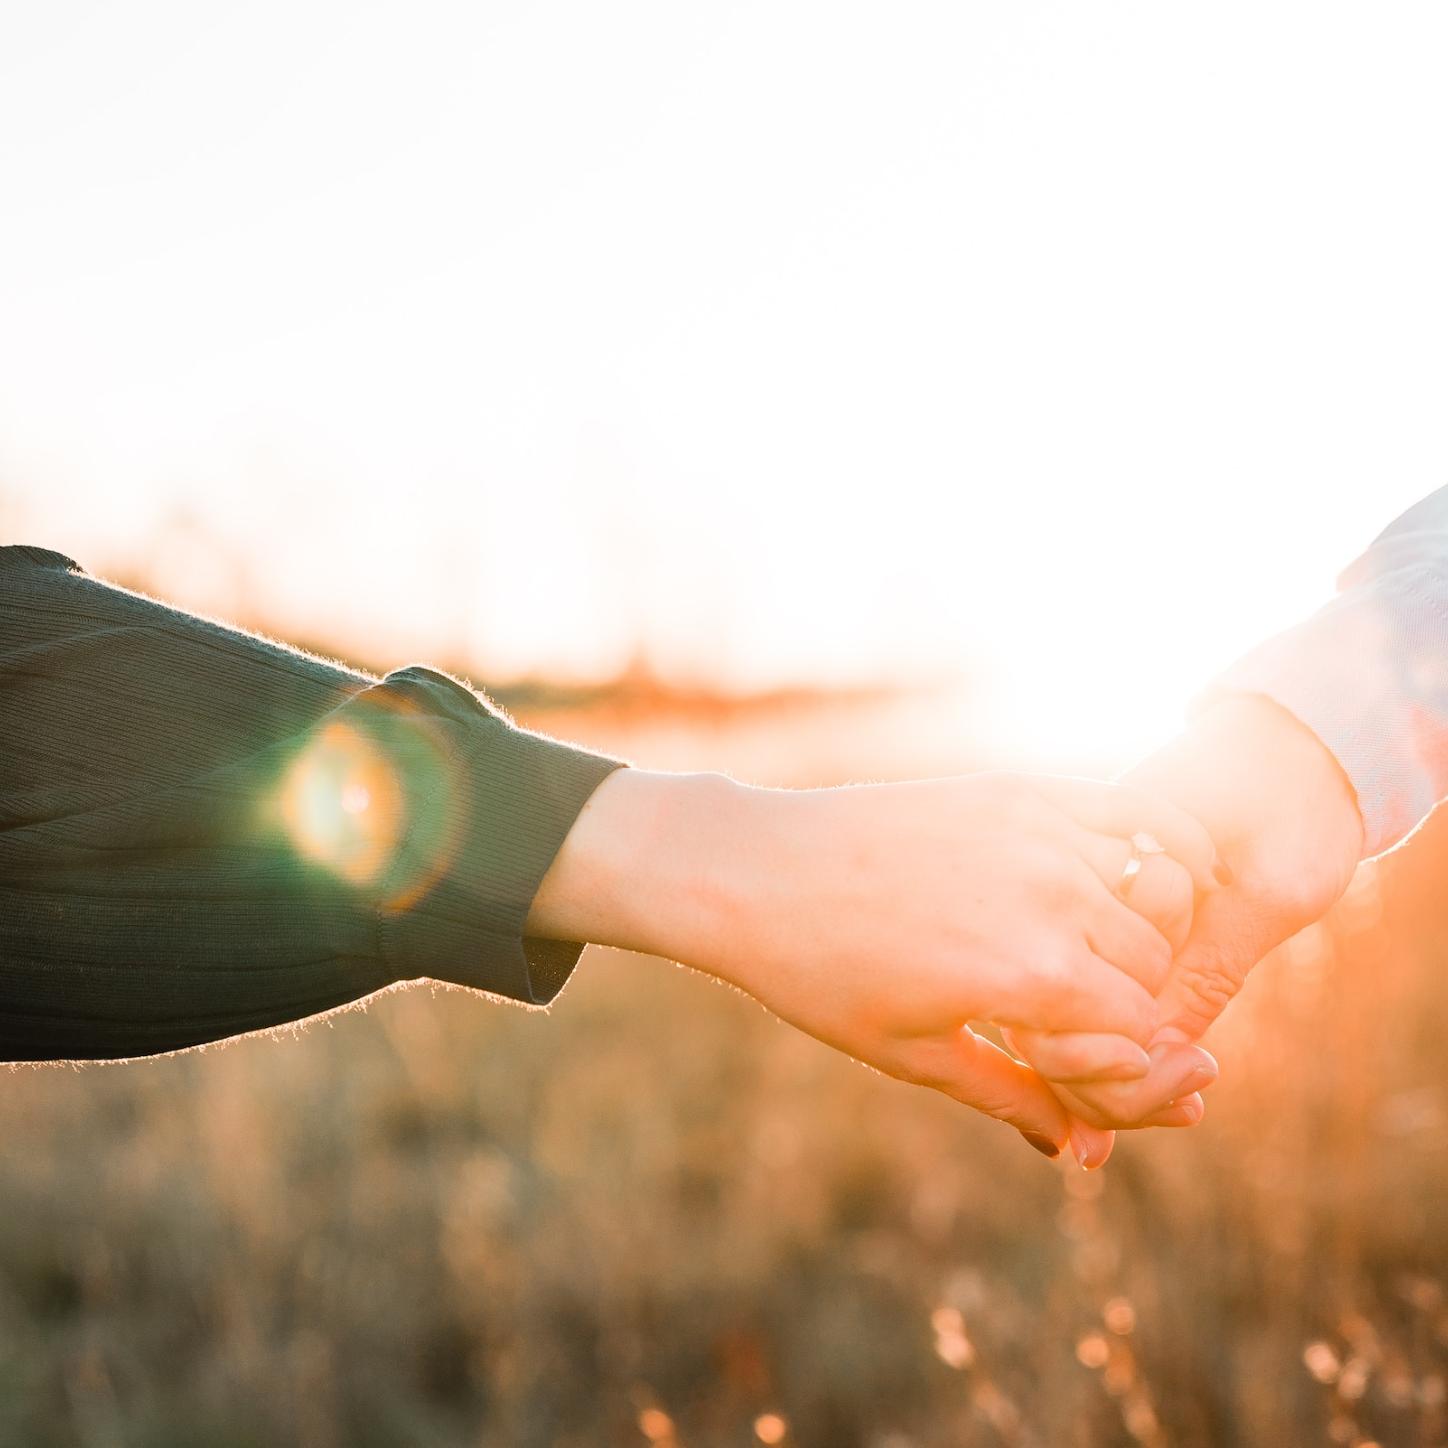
(892, 920)
(996, 896)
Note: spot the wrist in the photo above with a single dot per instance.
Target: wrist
(1271, 794)
(655, 863)
(1296, 763)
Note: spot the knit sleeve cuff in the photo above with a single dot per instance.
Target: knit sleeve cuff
(1368, 674)
(474, 810)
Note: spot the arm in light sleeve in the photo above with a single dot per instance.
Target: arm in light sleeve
(1368, 674)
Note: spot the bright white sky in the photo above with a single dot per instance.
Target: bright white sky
(1077, 345)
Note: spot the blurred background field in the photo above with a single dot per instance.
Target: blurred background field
(655, 1215)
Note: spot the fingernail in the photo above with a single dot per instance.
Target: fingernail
(1192, 1107)
(1202, 1076)
(1087, 1151)
(1222, 871)
(1043, 1144)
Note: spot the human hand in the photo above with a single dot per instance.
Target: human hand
(1168, 1093)
(881, 919)
(1286, 822)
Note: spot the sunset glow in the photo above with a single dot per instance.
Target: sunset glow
(1049, 350)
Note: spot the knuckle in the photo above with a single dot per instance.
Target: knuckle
(1117, 1120)
(1053, 968)
(1297, 900)
(1068, 1058)
(1109, 1110)
(1093, 1110)
(1210, 985)
(1057, 890)
(1060, 881)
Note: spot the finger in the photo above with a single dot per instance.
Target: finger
(976, 1072)
(1116, 933)
(1176, 1072)
(1186, 1112)
(1081, 1055)
(1091, 1146)
(1162, 893)
(1227, 940)
(1081, 992)
(1120, 809)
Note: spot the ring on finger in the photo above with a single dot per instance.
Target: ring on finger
(1142, 845)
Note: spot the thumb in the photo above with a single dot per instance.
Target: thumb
(991, 1080)
(1228, 938)
(1090, 1145)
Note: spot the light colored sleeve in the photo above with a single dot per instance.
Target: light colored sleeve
(1368, 674)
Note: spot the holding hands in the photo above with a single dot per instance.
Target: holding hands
(1287, 823)
(884, 919)
(896, 914)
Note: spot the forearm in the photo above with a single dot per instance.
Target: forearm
(655, 863)
(1368, 674)
(204, 833)
(1265, 785)
(696, 868)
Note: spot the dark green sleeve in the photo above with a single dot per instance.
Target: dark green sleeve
(204, 833)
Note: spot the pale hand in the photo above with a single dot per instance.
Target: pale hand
(882, 919)
(1285, 820)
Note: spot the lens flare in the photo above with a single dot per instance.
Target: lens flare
(342, 804)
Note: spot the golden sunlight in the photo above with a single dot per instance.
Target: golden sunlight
(847, 401)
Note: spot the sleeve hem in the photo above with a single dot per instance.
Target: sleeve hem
(497, 804)
(1355, 674)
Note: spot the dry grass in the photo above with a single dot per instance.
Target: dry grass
(657, 1215)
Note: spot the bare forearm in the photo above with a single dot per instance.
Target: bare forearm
(1365, 674)
(655, 863)
(1262, 779)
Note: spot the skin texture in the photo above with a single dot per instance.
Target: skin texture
(1285, 820)
(881, 918)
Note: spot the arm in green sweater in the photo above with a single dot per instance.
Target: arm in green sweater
(204, 833)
